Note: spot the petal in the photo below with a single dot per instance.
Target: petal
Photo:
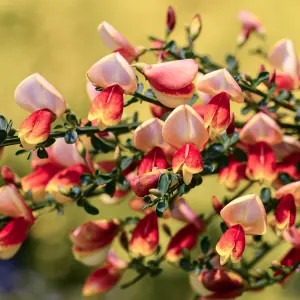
(108, 106)
(36, 182)
(13, 205)
(113, 69)
(220, 81)
(154, 159)
(289, 145)
(217, 205)
(283, 57)
(184, 126)
(149, 135)
(90, 257)
(249, 212)
(91, 91)
(145, 237)
(65, 179)
(111, 37)
(250, 20)
(261, 128)
(173, 75)
(291, 188)
(9, 176)
(101, 280)
(217, 114)
(261, 163)
(36, 128)
(186, 237)
(36, 93)
(174, 98)
(231, 244)
(189, 160)
(292, 236)
(285, 213)
(12, 236)
(158, 111)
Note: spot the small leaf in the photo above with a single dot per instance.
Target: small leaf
(164, 183)
(285, 178)
(86, 179)
(161, 207)
(265, 194)
(71, 137)
(3, 123)
(215, 151)
(72, 119)
(3, 135)
(167, 230)
(205, 245)
(21, 151)
(50, 141)
(123, 239)
(240, 155)
(100, 145)
(245, 110)
(42, 153)
(125, 163)
(110, 188)
(75, 191)
(103, 179)
(263, 76)
(90, 209)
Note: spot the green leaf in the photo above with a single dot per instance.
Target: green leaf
(125, 163)
(103, 179)
(147, 199)
(205, 245)
(223, 226)
(232, 62)
(72, 119)
(71, 137)
(207, 168)
(3, 123)
(3, 135)
(161, 207)
(75, 191)
(100, 145)
(42, 153)
(50, 141)
(283, 94)
(110, 188)
(263, 76)
(164, 183)
(240, 155)
(215, 151)
(265, 194)
(245, 110)
(21, 151)
(90, 209)
(140, 88)
(285, 178)
(86, 179)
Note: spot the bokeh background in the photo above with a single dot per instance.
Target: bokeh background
(58, 39)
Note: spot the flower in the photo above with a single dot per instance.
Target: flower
(217, 114)
(92, 240)
(232, 175)
(145, 236)
(111, 70)
(261, 128)
(106, 277)
(285, 213)
(291, 188)
(186, 237)
(9, 176)
(250, 23)
(65, 180)
(171, 82)
(284, 59)
(107, 107)
(116, 42)
(247, 211)
(261, 163)
(36, 128)
(220, 81)
(288, 146)
(36, 93)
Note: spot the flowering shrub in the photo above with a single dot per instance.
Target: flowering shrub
(162, 159)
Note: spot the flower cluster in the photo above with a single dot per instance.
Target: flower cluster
(162, 159)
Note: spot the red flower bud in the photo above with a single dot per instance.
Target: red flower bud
(171, 19)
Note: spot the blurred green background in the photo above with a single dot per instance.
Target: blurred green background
(58, 39)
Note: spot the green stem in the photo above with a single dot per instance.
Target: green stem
(137, 96)
(122, 128)
(133, 281)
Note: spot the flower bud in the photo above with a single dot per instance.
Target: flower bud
(36, 93)
(195, 27)
(261, 128)
(107, 107)
(145, 237)
(217, 205)
(9, 176)
(220, 81)
(185, 126)
(36, 128)
(171, 82)
(231, 127)
(285, 213)
(158, 111)
(111, 70)
(231, 244)
(171, 19)
(92, 240)
(247, 211)
(186, 237)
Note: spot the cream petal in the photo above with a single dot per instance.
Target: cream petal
(185, 126)
(249, 212)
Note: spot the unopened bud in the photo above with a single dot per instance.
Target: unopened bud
(196, 27)
(171, 19)
(217, 205)
(231, 128)
(273, 77)
(262, 68)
